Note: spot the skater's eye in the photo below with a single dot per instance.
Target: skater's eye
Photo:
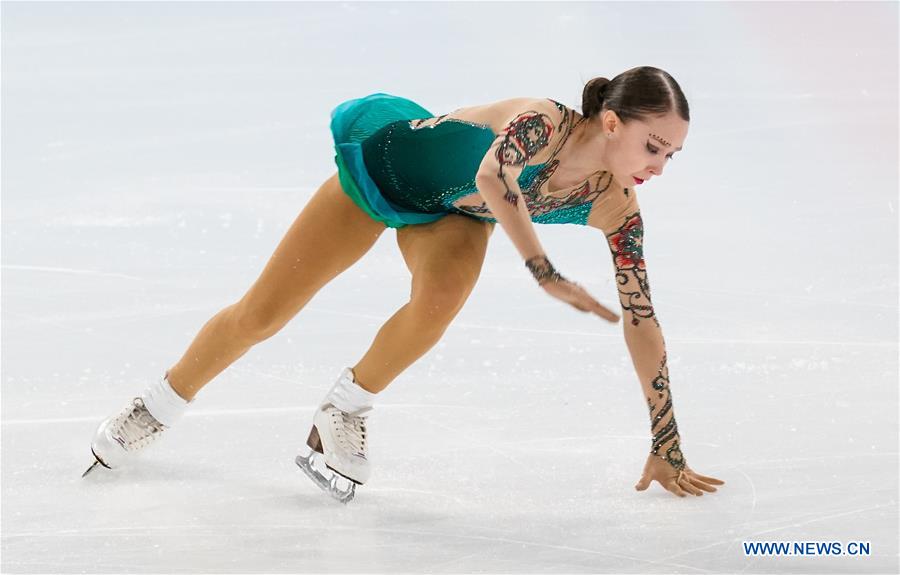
(654, 150)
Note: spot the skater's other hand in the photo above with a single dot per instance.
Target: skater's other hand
(681, 484)
(576, 296)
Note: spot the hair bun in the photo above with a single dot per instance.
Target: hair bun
(635, 94)
(593, 95)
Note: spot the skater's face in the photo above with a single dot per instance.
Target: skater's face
(640, 149)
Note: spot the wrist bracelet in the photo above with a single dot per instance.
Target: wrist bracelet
(673, 456)
(542, 270)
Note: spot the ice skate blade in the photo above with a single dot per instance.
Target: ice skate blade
(96, 462)
(326, 484)
(91, 468)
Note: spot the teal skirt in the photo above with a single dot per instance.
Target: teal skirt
(352, 122)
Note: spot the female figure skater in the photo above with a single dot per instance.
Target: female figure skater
(442, 182)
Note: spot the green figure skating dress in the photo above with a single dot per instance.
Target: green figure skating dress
(402, 174)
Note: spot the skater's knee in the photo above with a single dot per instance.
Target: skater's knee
(439, 298)
(254, 324)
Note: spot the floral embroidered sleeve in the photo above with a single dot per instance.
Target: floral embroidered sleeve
(644, 336)
(529, 133)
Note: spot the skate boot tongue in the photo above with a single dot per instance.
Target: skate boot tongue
(137, 428)
(353, 431)
(348, 396)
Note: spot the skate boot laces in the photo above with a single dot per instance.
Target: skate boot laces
(350, 431)
(134, 428)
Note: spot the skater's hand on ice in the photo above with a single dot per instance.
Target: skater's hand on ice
(680, 483)
(576, 296)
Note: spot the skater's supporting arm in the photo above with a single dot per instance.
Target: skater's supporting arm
(618, 216)
(644, 336)
(528, 134)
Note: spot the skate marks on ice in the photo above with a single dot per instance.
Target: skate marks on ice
(507, 486)
(198, 413)
(746, 526)
(224, 412)
(490, 549)
(94, 273)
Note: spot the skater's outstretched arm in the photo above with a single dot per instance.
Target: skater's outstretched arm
(529, 133)
(644, 338)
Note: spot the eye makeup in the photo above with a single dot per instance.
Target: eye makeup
(663, 142)
(660, 140)
(654, 150)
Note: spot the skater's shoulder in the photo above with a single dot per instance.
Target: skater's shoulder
(501, 114)
(511, 109)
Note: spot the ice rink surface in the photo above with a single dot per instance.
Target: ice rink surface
(154, 154)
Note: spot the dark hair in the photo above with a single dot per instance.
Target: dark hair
(635, 94)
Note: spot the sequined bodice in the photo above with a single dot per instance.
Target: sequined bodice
(431, 168)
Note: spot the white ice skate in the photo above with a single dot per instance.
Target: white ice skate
(118, 437)
(337, 457)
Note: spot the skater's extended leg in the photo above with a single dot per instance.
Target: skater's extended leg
(445, 259)
(326, 238)
(329, 235)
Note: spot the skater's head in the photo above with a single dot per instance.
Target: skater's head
(642, 118)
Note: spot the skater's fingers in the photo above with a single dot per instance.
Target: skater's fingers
(580, 305)
(706, 479)
(586, 302)
(605, 313)
(643, 483)
(582, 301)
(672, 486)
(685, 484)
(599, 309)
(697, 483)
(570, 293)
(590, 304)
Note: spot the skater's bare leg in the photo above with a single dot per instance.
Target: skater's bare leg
(445, 259)
(329, 235)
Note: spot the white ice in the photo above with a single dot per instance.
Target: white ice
(154, 154)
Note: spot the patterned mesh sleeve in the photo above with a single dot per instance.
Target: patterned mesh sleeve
(623, 227)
